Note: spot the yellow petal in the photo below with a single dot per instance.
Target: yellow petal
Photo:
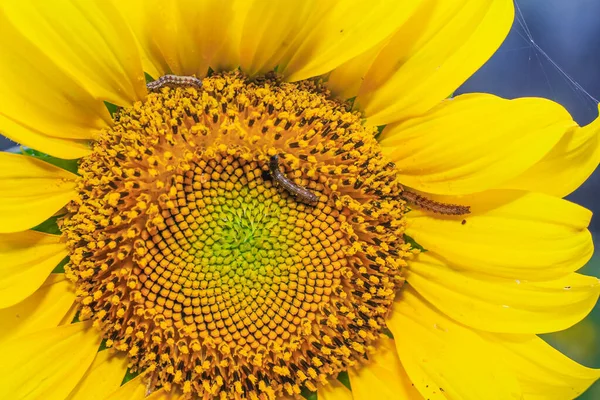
(102, 378)
(47, 103)
(40, 96)
(345, 31)
(135, 389)
(474, 142)
(432, 54)
(302, 38)
(511, 234)
(29, 137)
(567, 166)
(335, 390)
(503, 305)
(47, 364)
(445, 359)
(383, 378)
(543, 372)
(162, 394)
(88, 41)
(345, 81)
(268, 31)
(70, 315)
(31, 191)
(180, 37)
(43, 309)
(133, 12)
(26, 260)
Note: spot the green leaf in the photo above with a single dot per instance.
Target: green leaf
(413, 243)
(345, 379)
(69, 165)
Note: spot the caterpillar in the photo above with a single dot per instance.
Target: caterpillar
(301, 193)
(434, 206)
(175, 80)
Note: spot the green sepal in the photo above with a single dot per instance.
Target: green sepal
(308, 395)
(103, 346)
(112, 108)
(129, 375)
(148, 77)
(60, 268)
(345, 379)
(49, 226)
(76, 318)
(413, 243)
(69, 165)
(380, 129)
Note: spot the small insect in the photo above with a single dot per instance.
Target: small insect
(174, 80)
(434, 206)
(300, 193)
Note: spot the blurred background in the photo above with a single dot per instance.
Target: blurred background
(552, 52)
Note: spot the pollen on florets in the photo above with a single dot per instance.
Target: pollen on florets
(211, 277)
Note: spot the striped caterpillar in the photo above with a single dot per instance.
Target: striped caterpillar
(301, 194)
(174, 80)
(434, 206)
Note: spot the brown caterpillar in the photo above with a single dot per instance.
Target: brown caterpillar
(300, 193)
(174, 80)
(434, 206)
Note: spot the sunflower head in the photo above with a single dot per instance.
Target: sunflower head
(293, 202)
(192, 250)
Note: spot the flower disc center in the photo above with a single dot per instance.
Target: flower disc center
(206, 266)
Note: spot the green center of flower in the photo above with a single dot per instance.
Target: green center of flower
(217, 272)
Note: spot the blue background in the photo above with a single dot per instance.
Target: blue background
(552, 52)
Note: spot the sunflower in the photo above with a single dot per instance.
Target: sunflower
(267, 199)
